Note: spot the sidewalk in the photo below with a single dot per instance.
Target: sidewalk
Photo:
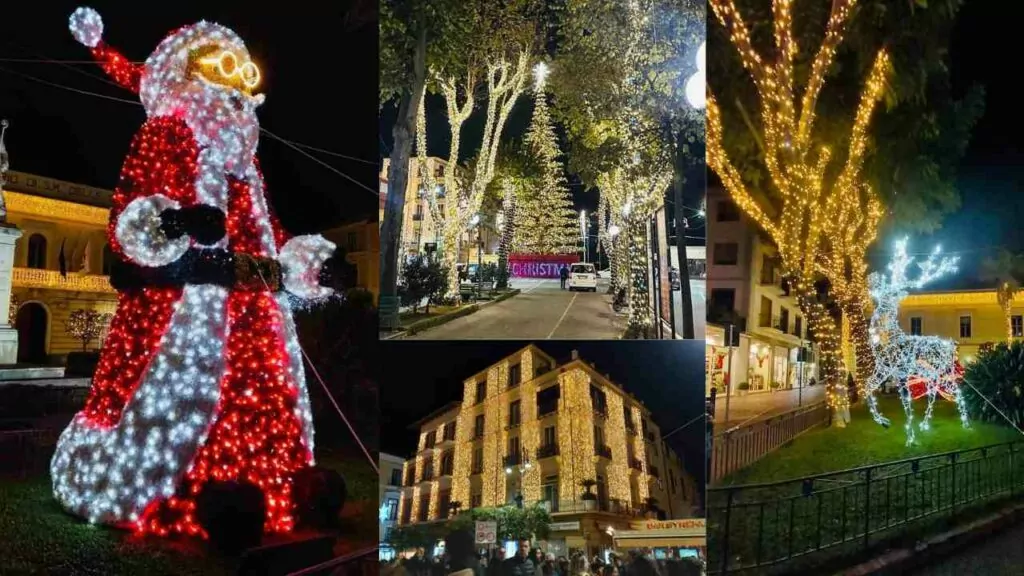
(761, 405)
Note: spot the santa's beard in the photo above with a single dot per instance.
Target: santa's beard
(222, 120)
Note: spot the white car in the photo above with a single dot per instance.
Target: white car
(582, 277)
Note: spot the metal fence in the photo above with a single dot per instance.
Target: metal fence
(740, 447)
(775, 528)
(360, 563)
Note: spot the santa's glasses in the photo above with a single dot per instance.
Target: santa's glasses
(227, 65)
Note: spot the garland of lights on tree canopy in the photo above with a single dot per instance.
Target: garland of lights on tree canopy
(547, 222)
(910, 360)
(201, 377)
(822, 229)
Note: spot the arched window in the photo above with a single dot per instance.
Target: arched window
(108, 259)
(37, 251)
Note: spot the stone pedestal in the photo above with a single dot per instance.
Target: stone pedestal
(9, 234)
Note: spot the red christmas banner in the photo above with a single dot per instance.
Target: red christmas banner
(539, 265)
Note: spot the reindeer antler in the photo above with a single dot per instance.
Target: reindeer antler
(930, 270)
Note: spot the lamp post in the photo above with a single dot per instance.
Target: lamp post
(521, 467)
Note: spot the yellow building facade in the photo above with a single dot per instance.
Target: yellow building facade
(361, 243)
(970, 317)
(52, 214)
(528, 429)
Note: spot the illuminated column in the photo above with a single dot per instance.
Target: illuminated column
(463, 458)
(531, 428)
(615, 435)
(640, 452)
(494, 440)
(575, 434)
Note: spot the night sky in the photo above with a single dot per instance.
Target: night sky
(301, 48)
(668, 377)
(991, 179)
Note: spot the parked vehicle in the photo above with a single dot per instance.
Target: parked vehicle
(582, 276)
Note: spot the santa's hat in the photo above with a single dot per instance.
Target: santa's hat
(87, 27)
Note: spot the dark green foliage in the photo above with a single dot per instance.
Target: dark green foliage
(993, 385)
(319, 495)
(423, 277)
(81, 364)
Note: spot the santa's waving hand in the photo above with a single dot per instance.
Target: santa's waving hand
(201, 375)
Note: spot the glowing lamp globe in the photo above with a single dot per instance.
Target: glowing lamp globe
(696, 94)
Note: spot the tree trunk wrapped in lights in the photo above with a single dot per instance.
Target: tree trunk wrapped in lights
(818, 227)
(508, 225)
(635, 192)
(548, 222)
(506, 81)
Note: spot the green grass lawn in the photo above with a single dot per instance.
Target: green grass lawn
(865, 442)
(38, 537)
(827, 517)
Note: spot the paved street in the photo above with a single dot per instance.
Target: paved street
(698, 292)
(540, 311)
(996, 555)
(761, 405)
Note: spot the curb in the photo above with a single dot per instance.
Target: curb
(441, 320)
(937, 546)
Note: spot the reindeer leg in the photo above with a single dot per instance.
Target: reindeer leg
(874, 382)
(932, 393)
(908, 408)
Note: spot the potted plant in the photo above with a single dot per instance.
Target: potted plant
(589, 498)
(742, 388)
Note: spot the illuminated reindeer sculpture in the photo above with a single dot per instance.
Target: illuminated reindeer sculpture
(900, 356)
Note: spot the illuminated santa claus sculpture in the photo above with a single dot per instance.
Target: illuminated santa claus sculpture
(201, 376)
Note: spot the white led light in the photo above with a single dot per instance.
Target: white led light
(86, 26)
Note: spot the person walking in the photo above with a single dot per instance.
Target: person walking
(563, 274)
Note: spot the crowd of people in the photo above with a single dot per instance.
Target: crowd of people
(461, 558)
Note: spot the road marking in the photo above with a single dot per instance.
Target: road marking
(535, 286)
(563, 316)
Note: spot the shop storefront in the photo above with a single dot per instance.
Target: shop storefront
(665, 538)
(759, 364)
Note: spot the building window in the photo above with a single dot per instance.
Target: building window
(784, 320)
(478, 426)
(478, 461)
(767, 269)
(513, 451)
(476, 500)
(549, 493)
(449, 431)
(672, 480)
(513, 413)
(108, 259)
(726, 254)
(549, 436)
(447, 463)
(431, 438)
(547, 400)
(915, 325)
(764, 314)
(37, 251)
(598, 436)
(722, 301)
(481, 391)
(444, 502)
(1017, 326)
(514, 375)
(396, 477)
(965, 326)
(424, 511)
(627, 415)
(391, 508)
(798, 327)
(727, 212)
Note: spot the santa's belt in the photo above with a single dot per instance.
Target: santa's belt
(202, 266)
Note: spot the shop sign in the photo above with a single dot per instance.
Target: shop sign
(564, 526)
(688, 524)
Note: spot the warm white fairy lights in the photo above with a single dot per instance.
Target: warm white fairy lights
(899, 357)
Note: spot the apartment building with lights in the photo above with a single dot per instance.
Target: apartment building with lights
(530, 430)
(971, 318)
(389, 494)
(360, 242)
(420, 233)
(746, 290)
(54, 215)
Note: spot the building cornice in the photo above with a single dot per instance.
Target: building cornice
(31, 206)
(958, 298)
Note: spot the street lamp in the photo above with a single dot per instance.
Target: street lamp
(583, 231)
(696, 91)
(523, 465)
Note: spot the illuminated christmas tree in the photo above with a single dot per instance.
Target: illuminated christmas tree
(201, 374)
(547, 223)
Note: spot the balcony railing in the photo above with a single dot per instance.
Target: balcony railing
(478, 434)
(513, 424)
(636, 464)
(75, 281)
(428, 474)
(601, 410)
(446, 470)
(610, 505)
(547, 451)
(604, 451)
(545, 409)
(512, 460)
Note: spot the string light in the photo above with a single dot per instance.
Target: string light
(196, 382)
(910, 359)
(821, 229)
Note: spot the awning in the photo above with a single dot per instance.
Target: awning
(625, 543)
